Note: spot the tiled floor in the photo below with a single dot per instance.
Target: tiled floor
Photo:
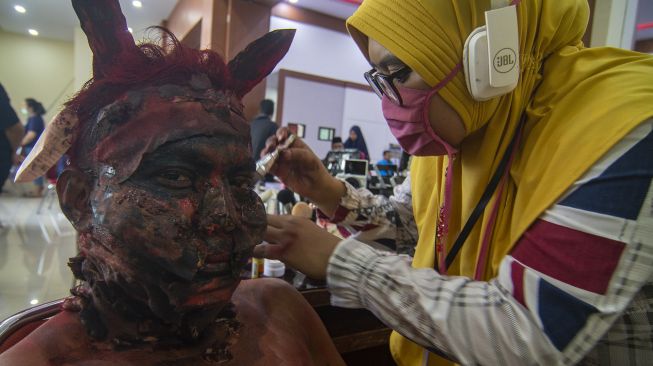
(34, 249)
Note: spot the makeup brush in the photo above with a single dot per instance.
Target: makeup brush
(264, 165)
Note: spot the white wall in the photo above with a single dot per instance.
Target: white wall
(320, 51)
(39, 68)
(318, 105)
(314, 105)
(614, 23)
(323, 52)
(363, 108)
(83, 59)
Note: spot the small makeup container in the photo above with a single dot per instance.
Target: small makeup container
(257, 267)
(273, 268)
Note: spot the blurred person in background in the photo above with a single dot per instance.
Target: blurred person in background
(357, 141)
(11, 132)
(262, 127)
(387, 155)
(33, 130)
(336, 144)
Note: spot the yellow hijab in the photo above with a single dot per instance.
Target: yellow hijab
(578, 102)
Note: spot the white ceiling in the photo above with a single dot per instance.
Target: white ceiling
(344, 8)
(56, 19)
(337, 8)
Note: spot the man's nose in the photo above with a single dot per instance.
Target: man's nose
(218, 211)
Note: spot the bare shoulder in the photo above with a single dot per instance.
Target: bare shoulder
(275, 298)
(268, 302)
(61, 335)
(267, 289)
(277, 327)
(283, 325)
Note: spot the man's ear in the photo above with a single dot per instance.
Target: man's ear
(258, 60)
(74, 191)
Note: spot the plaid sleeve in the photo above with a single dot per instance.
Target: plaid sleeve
(576, 288)
(379, 221)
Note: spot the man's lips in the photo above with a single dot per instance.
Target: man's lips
(215, 265)
(211, 271)
(217, 290)
(216, 258)
(216, 283)
(216, 268)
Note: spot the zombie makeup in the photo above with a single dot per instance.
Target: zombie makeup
(174, 216)
(157, 115)
(157, 183)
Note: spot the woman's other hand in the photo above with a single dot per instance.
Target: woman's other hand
(299, 243)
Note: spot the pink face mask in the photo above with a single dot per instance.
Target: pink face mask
(410, 123)
(411, 126)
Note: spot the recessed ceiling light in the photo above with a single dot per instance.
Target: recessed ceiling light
(130, 29)
(33, 32)
(20, 8)
(34, 301)
(293, 1)
(137, 4)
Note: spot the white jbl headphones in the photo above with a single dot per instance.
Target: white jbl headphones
(491, 54)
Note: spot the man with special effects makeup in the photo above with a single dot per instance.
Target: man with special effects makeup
(159, 189)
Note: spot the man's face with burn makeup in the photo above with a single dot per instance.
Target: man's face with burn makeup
(173, 211)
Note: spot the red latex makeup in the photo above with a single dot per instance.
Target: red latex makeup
(158, 182)
(174, 218)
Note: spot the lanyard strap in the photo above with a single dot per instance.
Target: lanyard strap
(485, 198)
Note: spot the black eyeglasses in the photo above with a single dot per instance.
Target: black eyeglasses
(384, 85)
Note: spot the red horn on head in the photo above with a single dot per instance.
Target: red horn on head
(258, 60)
(111, 43)
(106, 29)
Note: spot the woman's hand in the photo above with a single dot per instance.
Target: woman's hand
(303, 172)
(299, 243)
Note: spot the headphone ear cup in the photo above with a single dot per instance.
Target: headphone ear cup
(467, 62)
(471, 61)
(476, 65)
(491, 55)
